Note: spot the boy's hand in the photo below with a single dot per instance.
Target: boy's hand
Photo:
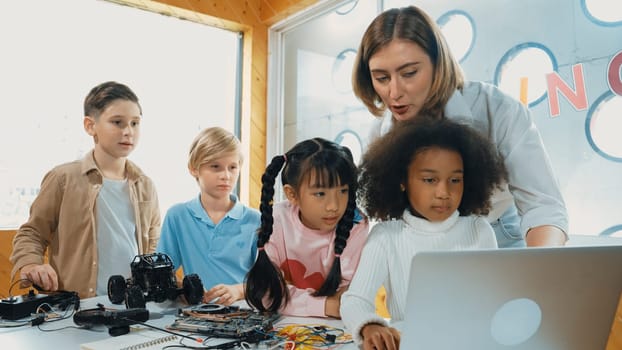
(42, 275)
(224, 294)
(333, 303)
(379, 337)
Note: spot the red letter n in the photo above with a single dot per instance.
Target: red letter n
(577, 98)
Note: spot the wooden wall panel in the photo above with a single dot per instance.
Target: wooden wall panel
(272, 11)
(615, 337)
(6, 246)
(6, 240)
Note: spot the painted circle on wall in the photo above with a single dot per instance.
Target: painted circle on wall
(603, 126)
(351, 140)
(459, 30)
(613, 231)
(342, 71)
(603, 12)
(347, 7)
(526, 63)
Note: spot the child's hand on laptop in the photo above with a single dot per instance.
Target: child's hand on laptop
(379, 337)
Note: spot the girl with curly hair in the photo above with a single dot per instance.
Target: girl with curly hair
(429, 181)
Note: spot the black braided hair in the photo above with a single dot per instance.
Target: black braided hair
(264, 276)
(334, 166)
(344, 226)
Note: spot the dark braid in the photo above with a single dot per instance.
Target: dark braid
(335, 166)
(264, 277)
(333, 280)
(342, 232)
(267, 197)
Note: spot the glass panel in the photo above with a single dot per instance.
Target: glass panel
(54, 57)
(318, 58)
(580, 140)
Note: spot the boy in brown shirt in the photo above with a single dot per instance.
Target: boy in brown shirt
(92, 215)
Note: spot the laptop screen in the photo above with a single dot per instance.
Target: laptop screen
(537, 298)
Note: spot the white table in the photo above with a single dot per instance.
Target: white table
(160, 315)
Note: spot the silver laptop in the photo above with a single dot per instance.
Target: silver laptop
(518, 299)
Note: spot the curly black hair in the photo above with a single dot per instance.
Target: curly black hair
(384, 166)
(334, 166)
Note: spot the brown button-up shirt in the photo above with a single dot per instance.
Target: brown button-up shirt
(63, 220)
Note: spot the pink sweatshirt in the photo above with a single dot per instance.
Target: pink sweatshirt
(305, 256)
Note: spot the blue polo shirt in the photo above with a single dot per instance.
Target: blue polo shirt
(220, 253)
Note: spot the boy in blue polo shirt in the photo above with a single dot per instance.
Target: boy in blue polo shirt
(213, 234)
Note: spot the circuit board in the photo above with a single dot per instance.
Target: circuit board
(225, 322)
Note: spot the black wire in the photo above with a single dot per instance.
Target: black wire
(161, 329)
(59, 329)
(7, 323)
(228, 345)
(63, 317)
(14, 283)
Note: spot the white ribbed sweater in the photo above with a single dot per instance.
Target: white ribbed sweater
(387, 256)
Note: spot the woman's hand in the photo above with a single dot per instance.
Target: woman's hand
(224, 294)
(379, 337)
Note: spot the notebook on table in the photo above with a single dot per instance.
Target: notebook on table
(138, 339)
(519, 299)
(147, 339)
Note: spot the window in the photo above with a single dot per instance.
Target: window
(313, 51)
(60, 49)
(318, 52)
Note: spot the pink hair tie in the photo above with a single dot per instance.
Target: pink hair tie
(260, 249)
(337, 255)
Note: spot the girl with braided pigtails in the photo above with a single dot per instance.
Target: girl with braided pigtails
(309, 245)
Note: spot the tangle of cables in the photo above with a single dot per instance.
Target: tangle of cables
(313, 336)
